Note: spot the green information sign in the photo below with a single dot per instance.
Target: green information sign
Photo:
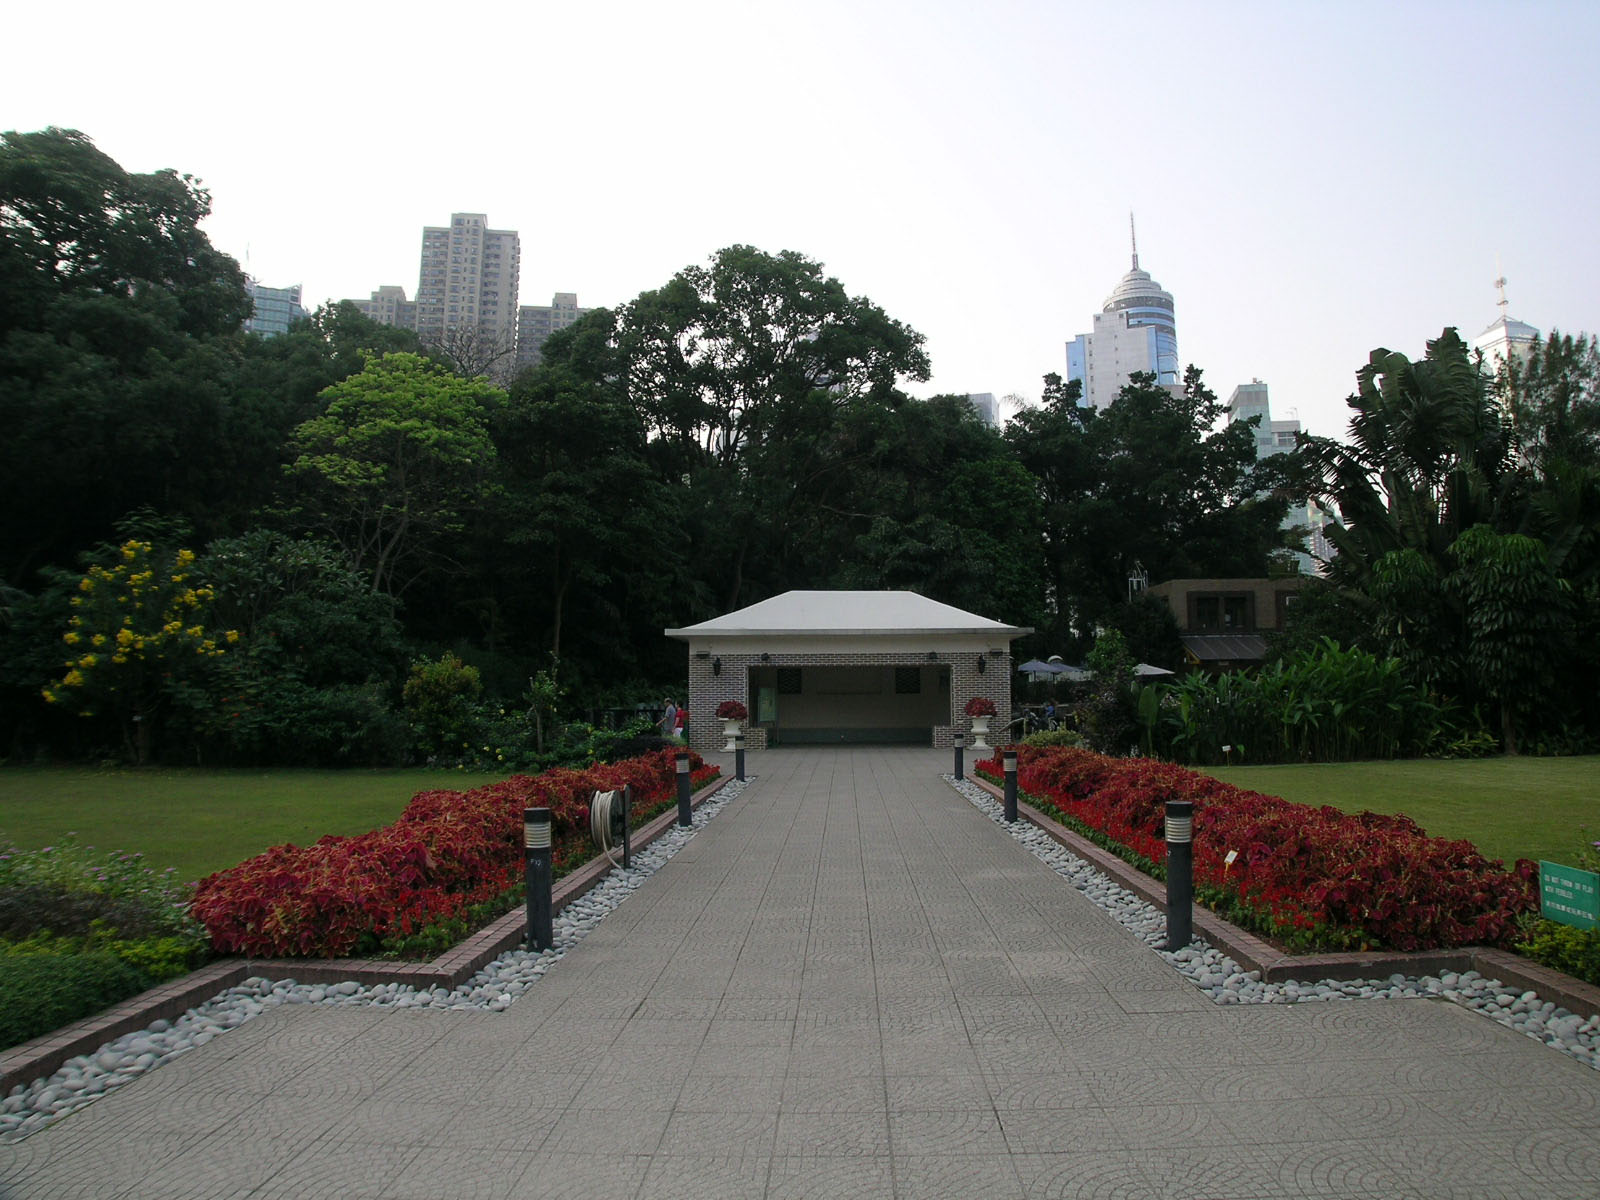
(1569, 895)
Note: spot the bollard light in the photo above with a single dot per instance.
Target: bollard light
(685, 814)
(627, 826)
(536, 847)
(738, 757)
(961, 756)
(1180, 873)
(1008, 759)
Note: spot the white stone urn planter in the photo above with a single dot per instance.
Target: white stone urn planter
(980, 732)
(730, 730)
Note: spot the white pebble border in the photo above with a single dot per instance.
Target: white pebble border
(1226, 982)
(85, 1078)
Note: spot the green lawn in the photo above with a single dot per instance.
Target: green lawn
(1509, 808)
(201, 821)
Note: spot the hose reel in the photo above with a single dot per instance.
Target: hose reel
(608, 822)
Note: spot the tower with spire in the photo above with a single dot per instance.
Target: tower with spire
(1134, 331)
(1508, 337)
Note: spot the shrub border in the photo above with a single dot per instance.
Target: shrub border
(44, 1055)
(1276, 966)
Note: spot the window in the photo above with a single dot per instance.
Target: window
(1222, 612)
(789, 681)
(908, 681)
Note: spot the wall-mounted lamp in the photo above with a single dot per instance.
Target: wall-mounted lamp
(716, 666)
(933, 656)
(766, 658)
(982, 663)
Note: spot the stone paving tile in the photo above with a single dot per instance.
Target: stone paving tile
(699, 1133)
(1209, 1173)
(86, 1163)
(955, 1091)
(1339, 1168)
(339, 1167)
(945, 1131)
(568, 1176)
(941, 1177)
(823, 1093)
(608, 1131)
(730, 1093)
(1082, 1175)
(456, 1172)
(390, 1121)
(522, 1127)
(707, 1176)
(833, 1133)
(815, 1176)
(1061, 1130)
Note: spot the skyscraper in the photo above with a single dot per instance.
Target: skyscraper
(535, 323)
(389, 306)
(1135, 331)
(468, 282)
(466, 301)
(273, 308)
(1278, 437)
(1272, 437)
(986, 405)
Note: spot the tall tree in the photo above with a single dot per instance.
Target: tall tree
(391, 468)
(741, 371)
(116, 317)
(582, 505)
(1426, 459)
(1151, 482)
(1469, 506)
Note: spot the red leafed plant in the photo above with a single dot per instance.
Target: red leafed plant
(447, 852)
(1298, 868)
(732, 710)
(980, 706)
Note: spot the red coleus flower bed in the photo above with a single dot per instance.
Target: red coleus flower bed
(447, 852)
(1297, 866)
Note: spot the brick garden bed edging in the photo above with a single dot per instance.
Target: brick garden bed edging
(1277, 966)
(46, 1054)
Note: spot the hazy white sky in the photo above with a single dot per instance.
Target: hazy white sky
(1310, 180)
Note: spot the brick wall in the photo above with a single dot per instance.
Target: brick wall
(717, 677)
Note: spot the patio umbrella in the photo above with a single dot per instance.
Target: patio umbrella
(1035, 667)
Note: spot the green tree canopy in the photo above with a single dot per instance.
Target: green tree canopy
(1151, 481)
(393, 465)
(116, 314)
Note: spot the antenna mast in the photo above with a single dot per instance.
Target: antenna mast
(1134, 237)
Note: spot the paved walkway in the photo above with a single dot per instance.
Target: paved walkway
(849, 984)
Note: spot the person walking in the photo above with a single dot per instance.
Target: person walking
(669, 720)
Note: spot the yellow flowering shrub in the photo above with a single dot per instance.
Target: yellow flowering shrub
(150, 612)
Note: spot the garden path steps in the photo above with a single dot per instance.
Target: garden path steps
(850, 983)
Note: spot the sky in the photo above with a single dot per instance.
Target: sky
(1310, 180)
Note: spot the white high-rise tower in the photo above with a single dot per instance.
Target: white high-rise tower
(1135, 331)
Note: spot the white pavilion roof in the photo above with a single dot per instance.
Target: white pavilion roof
(846, 613)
